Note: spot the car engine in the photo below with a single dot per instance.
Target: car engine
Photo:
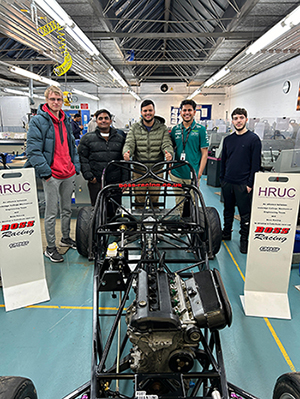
(164, 321)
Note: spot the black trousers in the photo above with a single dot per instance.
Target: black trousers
(236, 194)
(94, 189)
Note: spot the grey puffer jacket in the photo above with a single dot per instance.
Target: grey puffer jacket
(148, 146)
(41, 143)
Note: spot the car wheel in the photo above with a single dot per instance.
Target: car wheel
(216, 230)
(17, 388)
(287, 386)
(83, 226)
(215, 226)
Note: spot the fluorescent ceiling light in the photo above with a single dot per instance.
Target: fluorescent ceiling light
(34, 76)
(194, 94)
(25, 73)
(219, 75)
(82, 40)
(279, 29)
(82, 93)
(22, 93)
(52, 8)
(116, 76)
(55, 11)
(49, 82)
(134, 94)
(39, 97)
(17, 92)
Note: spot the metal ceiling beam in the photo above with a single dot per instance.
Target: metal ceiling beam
(155, 78)
(29, 62)
(166, 26)
(249, 35)
(171, 62)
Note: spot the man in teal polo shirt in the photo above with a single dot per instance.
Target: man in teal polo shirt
(191, 144)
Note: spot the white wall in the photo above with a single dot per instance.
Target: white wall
(126, 108)
(262, 95)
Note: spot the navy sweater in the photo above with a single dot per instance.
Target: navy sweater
(241, 157)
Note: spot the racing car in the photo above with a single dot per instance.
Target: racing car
(162, 339)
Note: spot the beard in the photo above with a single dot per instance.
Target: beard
(187, 118)
(148, 119)
(240, 128)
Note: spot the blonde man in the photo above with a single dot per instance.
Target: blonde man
(51, 151)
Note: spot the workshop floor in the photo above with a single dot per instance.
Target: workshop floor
(50, 343)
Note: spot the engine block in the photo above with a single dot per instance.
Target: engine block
(164, 321)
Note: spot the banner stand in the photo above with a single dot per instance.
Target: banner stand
(271, 241)
(274, 305)
(21, 261)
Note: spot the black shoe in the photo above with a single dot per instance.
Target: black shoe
(226, 236)
(244, 246)
(68, 242)
(53, 255)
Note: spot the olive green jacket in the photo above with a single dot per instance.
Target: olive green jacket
(144, 146)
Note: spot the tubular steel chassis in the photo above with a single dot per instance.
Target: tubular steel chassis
(154, 234)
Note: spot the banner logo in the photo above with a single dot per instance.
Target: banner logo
(7, 232)
(276, 192)
(271, 234)
(269, 249)
(14, 226)
(14, 188)
(18, 244)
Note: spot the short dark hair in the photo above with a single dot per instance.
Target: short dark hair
(147, 102)
(102, 111)
(188, 102)
(77, 116)
(239, 111)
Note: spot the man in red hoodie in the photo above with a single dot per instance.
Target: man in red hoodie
(52, 152)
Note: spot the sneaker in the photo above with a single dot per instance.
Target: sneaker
(244, 246)
(53, 255)
(68, 242)
(226, 236)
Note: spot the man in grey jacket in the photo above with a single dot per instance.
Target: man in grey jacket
(51, 151)
(148, 140)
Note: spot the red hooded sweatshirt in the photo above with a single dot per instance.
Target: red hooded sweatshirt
(62, 167)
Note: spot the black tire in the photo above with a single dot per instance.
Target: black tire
(215, 226)
(83, 226)
(17, 388)
(287, 386)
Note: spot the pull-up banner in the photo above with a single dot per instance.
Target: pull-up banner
(271, 241)
(21, 255)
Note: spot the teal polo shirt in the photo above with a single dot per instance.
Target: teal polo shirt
(197, 139)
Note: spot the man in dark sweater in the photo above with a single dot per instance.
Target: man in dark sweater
(241, 157)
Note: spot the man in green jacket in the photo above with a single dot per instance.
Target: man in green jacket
(148, 140)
